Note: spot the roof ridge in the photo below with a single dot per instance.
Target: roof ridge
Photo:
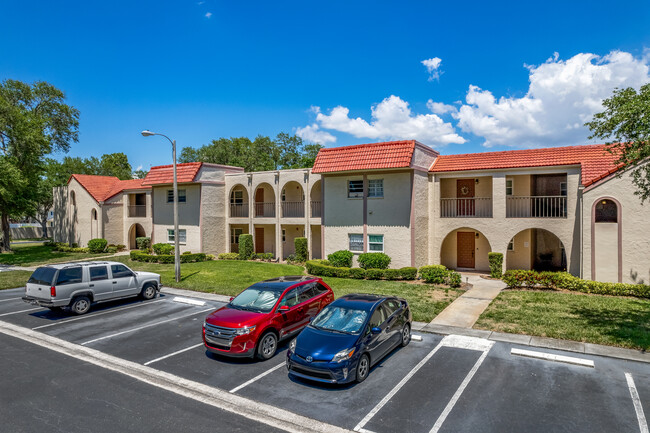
(540, 149)
(379, 143)
(184, 164)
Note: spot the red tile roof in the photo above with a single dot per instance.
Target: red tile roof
(595, 161)
(164, 174)
(101, 188)
(372, 156)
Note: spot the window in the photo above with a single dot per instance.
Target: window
(94, 214)
(376, 243)
(510, 186)
(182, 236)
(98, 273)
(306, 292)
(356, 242)
(69, 276)
(355, 189)
(73, 198)
(563, 189)
(511, 245)
(120, 271)
(378, 317)
(284, 195)
(606, 211)
(234, 235)
(181, 196)
(376, 188)
(237, 197)
(320, 289)
(291, 298)
(391, 306)
(284, 235)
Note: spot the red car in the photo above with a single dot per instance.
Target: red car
(255, 321)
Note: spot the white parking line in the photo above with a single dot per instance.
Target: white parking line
(256, 378)
(21, 311)
(89, 316)
(145, 326)
(551, 357)
(172, 354)
(10, 299)
(189, 301)
(643, 424)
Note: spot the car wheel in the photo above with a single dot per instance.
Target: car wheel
(80, 305)
(363, 368)
(148, 292)
(267, 346)
(406, 335)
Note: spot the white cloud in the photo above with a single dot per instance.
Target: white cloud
(562, 96)
(432, 65)
(392, 119)
(208, 15)
(313, 134)
(139, 167)
(440, 108)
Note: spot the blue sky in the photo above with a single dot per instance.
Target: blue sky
(339, 72)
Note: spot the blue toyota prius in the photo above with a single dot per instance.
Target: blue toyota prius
(348, 337)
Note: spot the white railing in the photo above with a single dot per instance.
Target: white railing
(316, 209)
(476, 207)
(550, 206)
(293, 209)
(265, 209)
(239, 210)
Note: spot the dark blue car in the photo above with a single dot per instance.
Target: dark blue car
(348, 337)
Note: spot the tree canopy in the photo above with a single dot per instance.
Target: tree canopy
(110, 164)
(625, 125)
(262, 153)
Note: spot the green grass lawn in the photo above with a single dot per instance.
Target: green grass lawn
(228, 277)
(35, 254)
(623, 322)
(13, 279)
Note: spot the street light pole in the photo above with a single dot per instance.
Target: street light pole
(177, 253)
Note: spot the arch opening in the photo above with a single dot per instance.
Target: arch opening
(465, 248)
(292, 199)
(315, 197)
(238, 202)
(136, 231)
(264, 201)
(536, 249)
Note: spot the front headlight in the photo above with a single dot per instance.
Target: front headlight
(245, 330)
(343, 355)
(292, 345)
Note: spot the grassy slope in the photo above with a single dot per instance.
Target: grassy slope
(13, 279)
(38, 254)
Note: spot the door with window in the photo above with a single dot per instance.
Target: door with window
(100, 284)
(465, 197)
(291, 321)
(378, 344)
(465, 249)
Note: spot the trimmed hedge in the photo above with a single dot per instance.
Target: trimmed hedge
(267, 257)
(139, 256)
(323, 268)
(496, 264)
(97, 245)
(563, 280)
(341, 259)
(302, 251)
(143, 243)
(163, 249)
(245, 246)
(439, 274)
(228, 256)
(373, 260)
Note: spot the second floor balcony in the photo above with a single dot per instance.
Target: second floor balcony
(316, 209)
(137, 211)
(553, 206)
(293, 209)
(239, 210)
(265, 209)
(475, 207)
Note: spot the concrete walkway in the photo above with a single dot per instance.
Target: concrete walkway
(467, 308)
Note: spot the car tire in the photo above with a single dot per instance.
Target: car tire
(148, 292)
(406, 335)
(267, 346)
(80, 305)
(363, 368)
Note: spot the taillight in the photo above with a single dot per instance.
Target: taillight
(53, 292)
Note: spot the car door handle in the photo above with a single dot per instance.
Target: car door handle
(114, 282)
(91, 285)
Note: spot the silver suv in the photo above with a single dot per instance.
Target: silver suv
(77, 285)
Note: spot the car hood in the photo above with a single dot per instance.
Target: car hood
(322, 345)
(233, 318)
(146, 275)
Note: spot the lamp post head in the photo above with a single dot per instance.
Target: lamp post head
(147, 133)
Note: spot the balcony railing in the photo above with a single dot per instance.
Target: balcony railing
(239, 210)
(293, 209)
(265, 210)
(552, 206)
(137, 211)
(316, 209)
(476, 207)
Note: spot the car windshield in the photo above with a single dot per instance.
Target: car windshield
(43, 276)
(254, 298)
(341, 319)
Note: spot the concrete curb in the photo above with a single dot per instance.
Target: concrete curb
(193, 294)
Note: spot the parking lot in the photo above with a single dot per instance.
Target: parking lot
(441, 383)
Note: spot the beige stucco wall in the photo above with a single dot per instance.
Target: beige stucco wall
(606, 247)
(79, 215)
(213, 218)
(188, 215)
(128, 198)
(61, 225)
(292, 232)
(315, 245)
(421, 218)
(481, 189)
(113, 216)
(521, 256)
(521, 184)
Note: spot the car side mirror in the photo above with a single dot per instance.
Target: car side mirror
(231, 298)
(376, 330)
(283, 308)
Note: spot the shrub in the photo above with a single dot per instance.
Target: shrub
(374, 274)
(392, 274)
(374, 260)
(341, 259)
(357, 273)
(167, 258)
(74, 245)
(453, 279)
(302, 251)
(209, 257)
(292, 258)
(111, 250)
(187, 252)
(120, 247)
(143, 243)
(56, 246)
(496, 264)
(433, 274)
(409, 273)
(342, 272)
(267, 256)
(245, 246)
(228, 256)
(320, 268)
(163, 249)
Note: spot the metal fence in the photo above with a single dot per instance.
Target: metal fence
(316, 209)
(265, 209)
(293, 209)
(239, 210)
(476, 207)
(552, 206)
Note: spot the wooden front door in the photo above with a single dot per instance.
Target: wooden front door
(465, 249)
(465, 197)
(259, 240)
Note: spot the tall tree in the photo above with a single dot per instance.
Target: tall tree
(34, 122)
(625, 125)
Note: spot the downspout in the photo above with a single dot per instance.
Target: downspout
(581, 189)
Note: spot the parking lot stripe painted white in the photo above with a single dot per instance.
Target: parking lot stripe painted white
(145, 326)
(188, 301)
(382, 403)
(245, 384)
(465, 342)
(10, 299)
(250, 409)
(643, 423)
(551, 357)
(172, 354)
(89, 316)
(21, 311)
(363, 430)
(458, 393)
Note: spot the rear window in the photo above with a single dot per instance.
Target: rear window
(69, 276)
(43, 276)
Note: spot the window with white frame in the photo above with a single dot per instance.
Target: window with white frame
(234, 235)
(181, 196)
(511, 245)
(182, 236)
(355, 188)
(376, 243)
(510, 186)
(355, 242)
(376, 188)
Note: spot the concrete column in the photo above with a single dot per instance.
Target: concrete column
(435, 238)
(278, 208)
(499, 195)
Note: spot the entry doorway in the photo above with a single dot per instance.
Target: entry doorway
(259, 240)
(465, 250)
